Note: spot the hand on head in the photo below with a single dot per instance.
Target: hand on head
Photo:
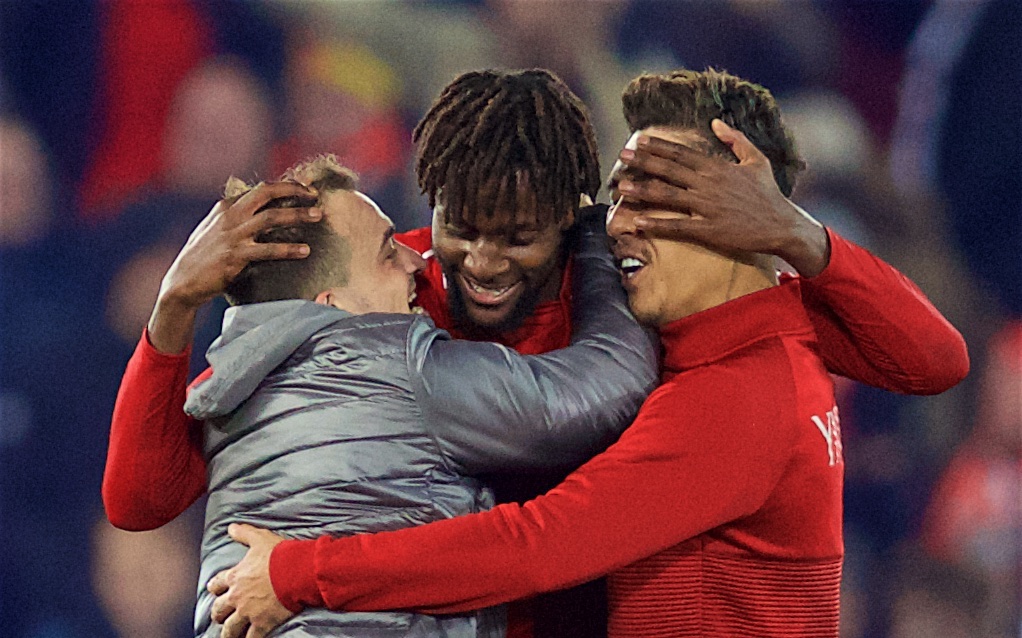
(692, 196)
(218, 250)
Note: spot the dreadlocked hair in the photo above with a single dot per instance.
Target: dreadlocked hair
(492, 133)
(692, 99)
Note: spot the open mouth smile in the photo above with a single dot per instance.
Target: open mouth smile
(630, 266)
(487, 295)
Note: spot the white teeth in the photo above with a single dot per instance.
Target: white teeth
(488, 291)
(630, 266)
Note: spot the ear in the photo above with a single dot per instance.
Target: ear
(326, 298)
(569, 219)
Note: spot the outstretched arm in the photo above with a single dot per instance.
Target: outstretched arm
(492, 409)
(154, 467)
(875, 325)
(622, 506)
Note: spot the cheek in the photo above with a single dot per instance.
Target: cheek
(447, 249)
(534, 258)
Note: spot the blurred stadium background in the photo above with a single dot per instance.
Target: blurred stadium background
(120, 121)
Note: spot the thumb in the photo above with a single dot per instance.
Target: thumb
(242, 533)
(740, 145)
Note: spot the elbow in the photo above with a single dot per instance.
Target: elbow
(954, 365)
(947, 364)
(123, 512)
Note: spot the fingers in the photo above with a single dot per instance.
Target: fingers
(268, 252)
(262, 194)
(740, 145)
(655, 192)
(643, 162)
(222, 609)
(277, 217)
(218, 584)
(244, 534)
(257, 632)
(234, 627)
(674, 228)
(688, 157)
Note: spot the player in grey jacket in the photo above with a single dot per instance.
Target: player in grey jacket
(338, 412)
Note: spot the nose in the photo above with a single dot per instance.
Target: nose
(484, 260)
(413, 261)
(621, 220)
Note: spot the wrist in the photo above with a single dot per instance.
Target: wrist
(171, 324)
(293, 575)
(807, 248)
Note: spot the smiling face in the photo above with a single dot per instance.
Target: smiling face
(667, 280)
(381, 276)
(499, 266)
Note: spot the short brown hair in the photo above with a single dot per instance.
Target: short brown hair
(692, 99)
(329, 254)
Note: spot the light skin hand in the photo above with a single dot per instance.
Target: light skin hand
(721, 204)
(246, 604)
(217, 250)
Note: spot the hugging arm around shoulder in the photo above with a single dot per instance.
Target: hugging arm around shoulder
(620, 507)
(493, 409)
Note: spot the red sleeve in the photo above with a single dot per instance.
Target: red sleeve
(678, 471)
(420, 240)
(154, 465)
(875, 326)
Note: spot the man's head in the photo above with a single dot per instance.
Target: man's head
(504, 158)
(353, 263)
(665, 279)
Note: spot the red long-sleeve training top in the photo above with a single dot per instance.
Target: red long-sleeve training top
(874, 325)
(718, 510)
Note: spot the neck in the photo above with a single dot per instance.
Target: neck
(746, 277)
(343, 299)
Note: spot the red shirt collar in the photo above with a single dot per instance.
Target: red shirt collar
(547, 328)
(712, 334)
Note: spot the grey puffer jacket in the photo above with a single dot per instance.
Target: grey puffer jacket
(319, 422)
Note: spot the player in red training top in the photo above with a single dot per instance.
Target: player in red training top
(718, 512)
(504, 158)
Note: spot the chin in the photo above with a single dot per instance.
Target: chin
(490, 320)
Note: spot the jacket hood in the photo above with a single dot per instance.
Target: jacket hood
(254, 341)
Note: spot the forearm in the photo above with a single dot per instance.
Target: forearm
(648, 492)
(510, 411)
(154, 468)
(171, 324)
(877, 327)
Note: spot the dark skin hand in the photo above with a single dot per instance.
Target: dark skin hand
(724, 205)
(217, 250)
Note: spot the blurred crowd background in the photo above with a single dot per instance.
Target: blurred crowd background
(121, 120)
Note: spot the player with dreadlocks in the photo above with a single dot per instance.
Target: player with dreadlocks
(505, 158)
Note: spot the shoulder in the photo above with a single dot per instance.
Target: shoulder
(420, 240)
(372, 333)
(754, 386)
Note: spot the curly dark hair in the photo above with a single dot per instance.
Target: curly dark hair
(692, 99)
(492, 133)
